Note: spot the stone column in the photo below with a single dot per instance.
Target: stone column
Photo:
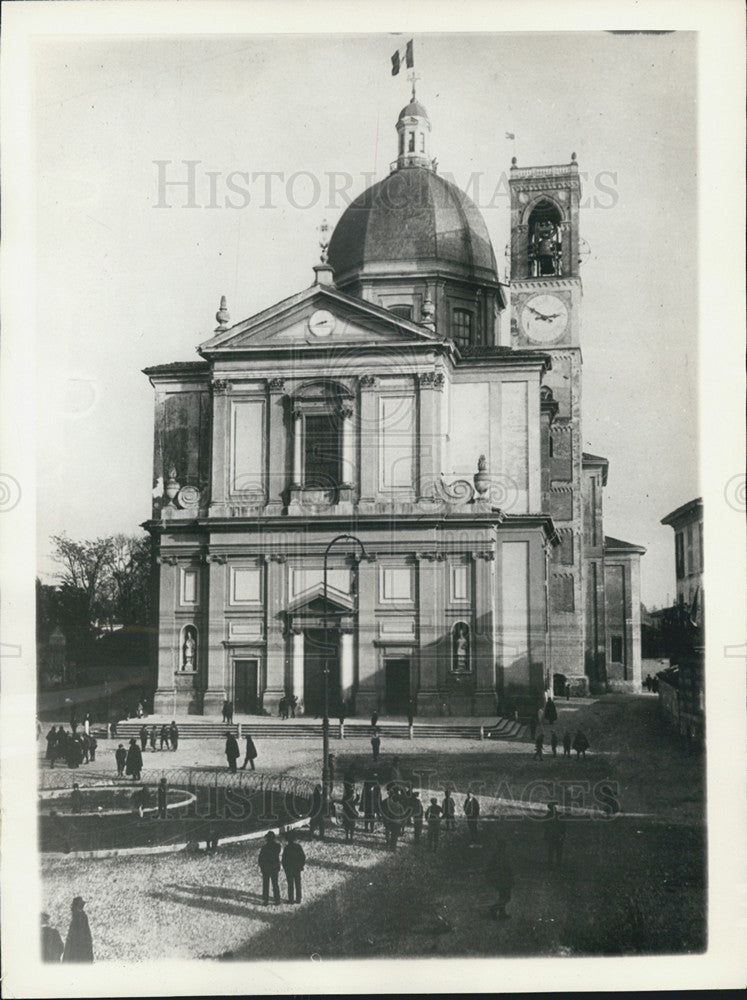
(297, 675)
(216, 690)
(347, 666)
(348, 446)
(367, 697)
(168, 664)
(429, 432)
(220, 444)
(297, 444)
(369, 439)
(276, 481)
(483, 652)
(430, 567)
(275, 648)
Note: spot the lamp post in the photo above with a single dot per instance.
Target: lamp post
(325, 719)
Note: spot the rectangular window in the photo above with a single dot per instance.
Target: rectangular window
(616, 648)
(321, 451)
(459, 584)
(397, 443)
(461, 326)
(689, 549)
(679, 554)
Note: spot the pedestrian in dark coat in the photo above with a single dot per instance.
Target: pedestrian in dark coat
(538, 745)
(417, 816)
(134, 761)
(120, 755)
(85, 747)
(294, 861)
(375, 744)
(163, 797)
(164, 737)
(225, 711)
(374, 718)
(174, 735)
(52, 946)
(554, 743)
(392, 815)
(229, 720)
(283, 708)
(433, 818)
(566, 744)
(92, 744)
(143, 738)
(371, 803)
(269, 865)
(251, 753)
(472, 812)
(551, 712)
(51, 740)
(232, 752)
(78, 946)
(152, 738)
(580, 744)
(448, 810)
(73, 721)
(316, 819)
(349, 813)
(554, 835)
(567, 691)
(293, 705)
(503, 877)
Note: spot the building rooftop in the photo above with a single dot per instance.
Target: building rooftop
(689, 511)
(618, 545)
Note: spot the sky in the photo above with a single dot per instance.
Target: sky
(129, 273)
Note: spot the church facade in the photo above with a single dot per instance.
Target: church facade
(430, 414)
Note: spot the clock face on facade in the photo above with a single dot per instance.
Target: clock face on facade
(321, 323)
(544, 318)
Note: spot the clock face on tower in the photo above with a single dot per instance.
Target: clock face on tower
(321, 323)
(544, 318)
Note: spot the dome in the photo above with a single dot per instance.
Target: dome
(413, 215)
(413, 110)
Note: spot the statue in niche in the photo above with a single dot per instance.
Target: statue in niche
(460, 654)
(189, 649)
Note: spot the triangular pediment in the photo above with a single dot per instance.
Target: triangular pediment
(318, 317)
(312, 602)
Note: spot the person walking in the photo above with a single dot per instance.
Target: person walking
(375, 743)
(120, 755)
(51, 942)
(448, 810)
(51, 740)
(251, 754)
(143, 738)
(283, 708)
(566, 744)
(164, 737)
(551, 712)
(417, 817)
(580, 744)
(229, 720)
(316, 819)
(433, 818)
(162, 797)
(503, 878)
(371, 803)
(269, 865)
(78, 944)
(134, 761)
(554, 835)
(349, 812)
(232, 752)
(224, 717)
(472, 812)
(152, 738)
(554, 743)
(294, 862)
(538, 745)
(174, 735)
(374, 719)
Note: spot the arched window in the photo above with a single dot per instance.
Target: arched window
(411, 142)
(545, 245)
(422, 142)
(461, 326)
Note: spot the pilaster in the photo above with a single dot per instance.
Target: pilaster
(216, 687)
(276, 654)
(276, 479)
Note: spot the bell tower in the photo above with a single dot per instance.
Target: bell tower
(545, 316)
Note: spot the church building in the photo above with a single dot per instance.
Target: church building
(428, 412)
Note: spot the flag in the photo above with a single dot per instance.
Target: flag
(401, 55)
(510, 135)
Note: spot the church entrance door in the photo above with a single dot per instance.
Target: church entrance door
(397, 680)
(313, 673)
(245, 687)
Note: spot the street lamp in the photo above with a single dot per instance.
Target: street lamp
(325, 720)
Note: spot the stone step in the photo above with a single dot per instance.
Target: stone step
(505, 729)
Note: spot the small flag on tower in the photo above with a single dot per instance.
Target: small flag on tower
(403, 55)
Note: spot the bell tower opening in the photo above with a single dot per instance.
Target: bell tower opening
(545, 240)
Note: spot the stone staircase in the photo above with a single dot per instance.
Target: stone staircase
(262, 728)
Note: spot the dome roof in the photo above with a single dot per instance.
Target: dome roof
(413, 215)
(413, 109)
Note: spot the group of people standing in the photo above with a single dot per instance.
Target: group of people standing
(169, 737)
(78, 946)
(579, 742)
(287, 706)
(72, 747)
(233, 752)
